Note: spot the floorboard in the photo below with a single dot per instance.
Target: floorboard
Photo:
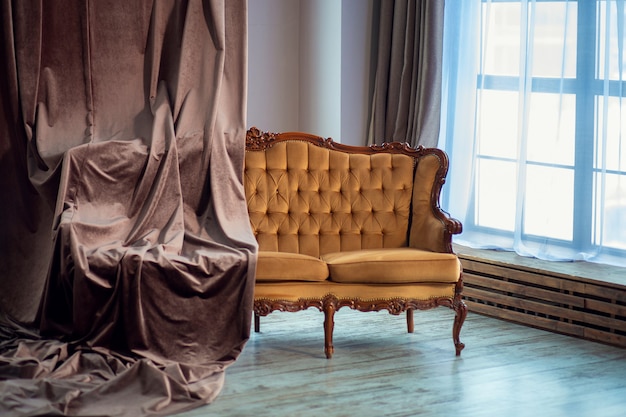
(378, 369)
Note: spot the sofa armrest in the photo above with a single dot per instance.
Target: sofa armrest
(431, 227)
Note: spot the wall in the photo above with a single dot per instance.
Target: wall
(308, 67)
(273, 64)
(356, 44)
(320, 67)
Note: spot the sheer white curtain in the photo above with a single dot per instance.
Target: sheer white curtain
(533, 116)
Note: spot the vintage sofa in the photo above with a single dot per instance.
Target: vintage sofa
(345, 226)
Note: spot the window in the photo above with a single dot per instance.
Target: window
(534, 114)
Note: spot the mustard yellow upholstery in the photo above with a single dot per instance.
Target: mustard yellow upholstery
(286, 266)
(427, 231)
(365, 292)
(392, 266)
(309, 200)
(350, 226)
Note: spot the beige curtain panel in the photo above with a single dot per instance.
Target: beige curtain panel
(407, 82)
(126, 257)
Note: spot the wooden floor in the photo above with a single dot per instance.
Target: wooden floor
(378, 369)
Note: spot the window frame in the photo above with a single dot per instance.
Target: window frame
(586, 87)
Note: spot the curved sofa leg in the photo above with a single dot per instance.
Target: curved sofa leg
(329, 325)
(461, 312)
(460, 309)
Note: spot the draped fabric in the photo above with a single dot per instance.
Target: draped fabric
(534, 117)
(407, 82)
(126, 261)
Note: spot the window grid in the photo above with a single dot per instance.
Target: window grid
(587, 87)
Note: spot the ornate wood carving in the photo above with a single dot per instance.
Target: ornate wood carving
(259, 140)
(330, 303)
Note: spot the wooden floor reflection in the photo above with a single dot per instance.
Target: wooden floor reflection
(380, 370)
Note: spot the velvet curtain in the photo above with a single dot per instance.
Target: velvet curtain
(407, 82)
(126, 257)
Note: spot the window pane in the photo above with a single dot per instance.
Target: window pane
(609, 55)
(495, 194)
(554, 39)
(552, 128)
(611, 131)
(497, 123)
(549, 203)
(501, 38)
(612, 231)
(538, 111)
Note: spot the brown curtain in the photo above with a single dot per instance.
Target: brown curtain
(126, 257)
(408, 47)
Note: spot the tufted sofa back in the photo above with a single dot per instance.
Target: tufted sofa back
(311, 196)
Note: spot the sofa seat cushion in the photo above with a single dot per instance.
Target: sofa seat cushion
(392, 266)
(285, 266)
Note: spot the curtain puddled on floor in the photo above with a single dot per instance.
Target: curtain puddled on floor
(126, 259)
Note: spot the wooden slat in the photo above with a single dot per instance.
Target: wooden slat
(548, 298)
(530, 320)
(523, 276)
(585, 272)
(550, 310)
(547, 280)
(547, 324)
(605, 337)
(524, 290)
(523, 304)
(605, 292)
(605, 307)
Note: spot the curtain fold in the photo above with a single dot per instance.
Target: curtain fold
(407, 83)
(127, 258)
(533, 122)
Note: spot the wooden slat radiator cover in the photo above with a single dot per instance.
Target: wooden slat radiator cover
(552, 298)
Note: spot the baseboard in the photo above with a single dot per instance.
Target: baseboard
(564, 297)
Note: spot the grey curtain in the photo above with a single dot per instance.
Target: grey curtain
(126, 257)
(407, 81)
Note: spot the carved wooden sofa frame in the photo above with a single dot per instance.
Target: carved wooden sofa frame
(297, 216)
